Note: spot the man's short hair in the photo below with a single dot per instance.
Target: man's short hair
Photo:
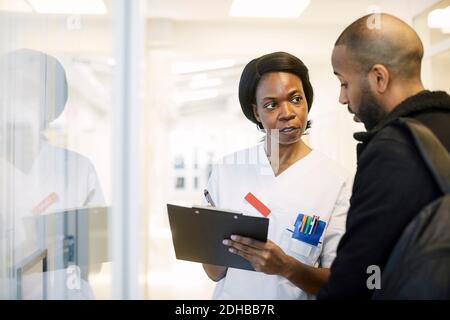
(369, 45)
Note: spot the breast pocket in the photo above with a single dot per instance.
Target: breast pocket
(304, 252)
(306, 239)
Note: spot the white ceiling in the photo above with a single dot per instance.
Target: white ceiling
(194, 16)
(319, 11)
(323, 12)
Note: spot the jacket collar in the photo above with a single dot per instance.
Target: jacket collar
(424, 100)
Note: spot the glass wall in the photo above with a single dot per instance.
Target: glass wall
(60, 65)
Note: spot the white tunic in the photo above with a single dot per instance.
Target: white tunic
(314, 185)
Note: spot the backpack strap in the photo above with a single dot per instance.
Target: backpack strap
(432, 151)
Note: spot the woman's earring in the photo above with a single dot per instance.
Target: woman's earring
(307, 127)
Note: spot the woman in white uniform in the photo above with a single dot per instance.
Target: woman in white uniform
(304, 194)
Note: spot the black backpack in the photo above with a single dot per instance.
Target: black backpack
(419, 265)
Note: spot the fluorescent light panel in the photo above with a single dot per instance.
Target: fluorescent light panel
(197, 95)
(439, 18)
(205, 83)
(198, 66)
(68, 6)
(15, 6)
(268, 8)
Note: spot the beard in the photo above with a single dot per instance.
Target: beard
(370, 111)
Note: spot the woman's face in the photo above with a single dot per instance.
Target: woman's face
(281, 106)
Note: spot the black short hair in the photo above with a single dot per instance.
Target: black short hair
(272, 62)
(394, 44)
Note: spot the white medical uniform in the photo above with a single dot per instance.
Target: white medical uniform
(314, 185)
(59, 179)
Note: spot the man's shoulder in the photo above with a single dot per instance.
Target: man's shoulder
(393, 156)
(392, 141)
(392, 134)
(396, 133)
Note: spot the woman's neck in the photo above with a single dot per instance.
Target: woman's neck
(285, 155)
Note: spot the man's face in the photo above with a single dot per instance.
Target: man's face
(355, 89)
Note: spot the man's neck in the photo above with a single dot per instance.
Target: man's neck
(400, 93)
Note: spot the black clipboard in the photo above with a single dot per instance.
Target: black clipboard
(197, 234)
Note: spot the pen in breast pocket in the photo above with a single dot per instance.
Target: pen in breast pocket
(317, 223)
(208, 198)
(313, 224)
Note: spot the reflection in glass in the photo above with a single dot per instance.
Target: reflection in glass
(39, 178)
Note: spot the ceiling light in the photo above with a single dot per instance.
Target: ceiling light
(268, 8)
(14, 6)
(439, 18)
(188, 96)
(205, 83)
(191, 67)
(68, 6)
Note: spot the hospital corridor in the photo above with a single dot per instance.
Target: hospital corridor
(112, 109)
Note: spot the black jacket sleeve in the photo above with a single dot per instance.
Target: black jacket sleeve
(391, 186)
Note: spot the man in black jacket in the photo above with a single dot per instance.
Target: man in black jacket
(378, 65)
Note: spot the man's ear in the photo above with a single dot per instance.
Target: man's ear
(255, 112)
(379, 78)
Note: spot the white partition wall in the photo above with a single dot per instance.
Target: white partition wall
(126, 217)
